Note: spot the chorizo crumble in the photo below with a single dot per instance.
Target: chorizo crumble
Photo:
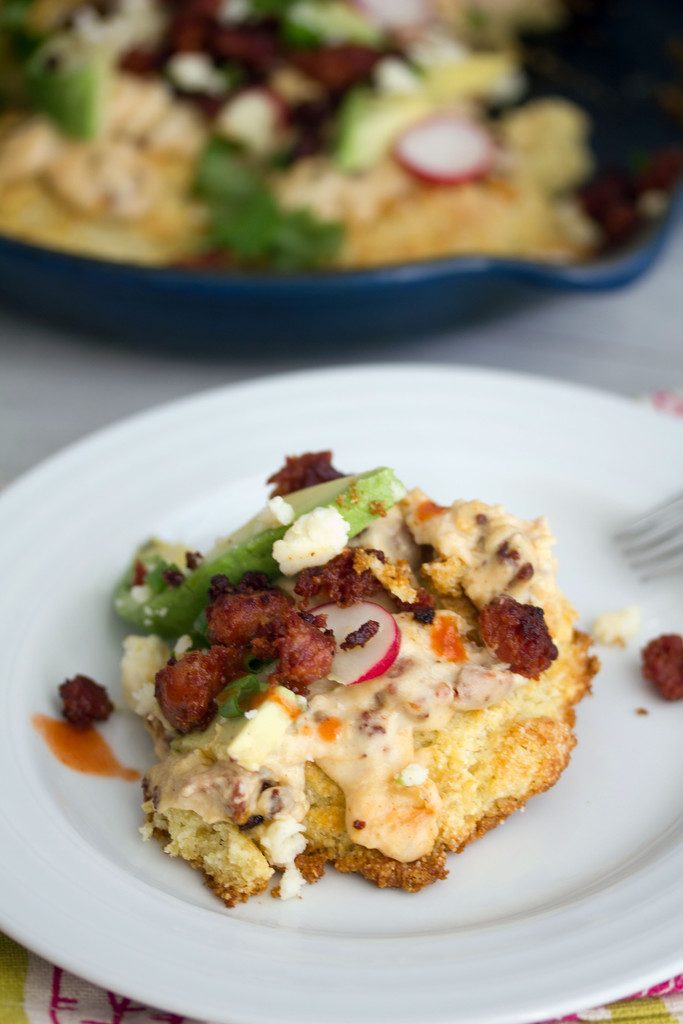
(321, 716)
(662, 665)
(84, 701)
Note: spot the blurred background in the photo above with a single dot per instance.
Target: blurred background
(196, 192)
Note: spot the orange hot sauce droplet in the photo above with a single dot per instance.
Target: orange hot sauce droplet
(446, 641)
(427, 510)
(329, 729)
(83, 750)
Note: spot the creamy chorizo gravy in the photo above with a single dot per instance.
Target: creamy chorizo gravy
(363, 736)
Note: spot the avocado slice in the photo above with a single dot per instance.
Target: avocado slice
(262, 734)
(173, 611)
(249, 741)
(370, 121)
(69, 86)
(311, 23)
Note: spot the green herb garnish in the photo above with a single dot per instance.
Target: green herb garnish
(477, 18)
(271, 8)
(235, 698)
(199, 631)
(300, 36)
(247, 221)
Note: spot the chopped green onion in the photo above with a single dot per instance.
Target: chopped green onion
(199, 630)
(235, 697)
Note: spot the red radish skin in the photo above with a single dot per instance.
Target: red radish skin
(360, 664)
(446, 150)
(397, 13)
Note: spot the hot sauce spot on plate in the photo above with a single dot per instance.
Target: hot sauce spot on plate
(427, 510)
(83, 750)
(329, 729)
(445, 639)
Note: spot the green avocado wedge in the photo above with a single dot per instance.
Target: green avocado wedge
(172, 611)
(69, 87)
(315, 23)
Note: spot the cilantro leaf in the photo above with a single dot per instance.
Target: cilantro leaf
(246, 219)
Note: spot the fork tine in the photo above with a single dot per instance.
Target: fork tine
(663, 569)
(644, 521)
(660, 557)
(659, 535)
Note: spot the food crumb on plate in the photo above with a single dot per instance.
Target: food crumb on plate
(618, 627)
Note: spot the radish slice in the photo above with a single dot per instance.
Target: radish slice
(359, 664)
(253, 117)
(397, 13)
(445, 150)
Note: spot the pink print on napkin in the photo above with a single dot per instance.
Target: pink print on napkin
(73, 1001)
(669, 401)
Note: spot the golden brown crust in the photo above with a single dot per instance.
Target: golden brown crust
(382, 871)
(486, 764)
(232, 866)
(526, 753)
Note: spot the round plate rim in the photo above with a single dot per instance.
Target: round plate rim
(48, 946)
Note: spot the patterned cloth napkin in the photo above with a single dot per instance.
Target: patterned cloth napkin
(33, 991)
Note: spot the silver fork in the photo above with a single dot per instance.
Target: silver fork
(653, 543)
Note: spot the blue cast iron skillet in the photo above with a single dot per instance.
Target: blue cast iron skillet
(613, 62)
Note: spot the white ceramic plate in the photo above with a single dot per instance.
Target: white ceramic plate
(576, 901)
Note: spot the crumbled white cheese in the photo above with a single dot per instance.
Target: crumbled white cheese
(133, 23)
(510, 87)
(396, 78)
(141, 593)
(313, 539)
(231, 11)
(89, 26)
(653, 203)
(195, 72)
(142, 658)
(277, 512)
(292, 883)
(283, 840)
(412, 775)
(251, 714)
(617, 628)
(281, 510)
(436, 47)
(182, 645)
(143, 700)
(250, 118)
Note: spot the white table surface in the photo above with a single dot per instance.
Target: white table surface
(54, 388)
